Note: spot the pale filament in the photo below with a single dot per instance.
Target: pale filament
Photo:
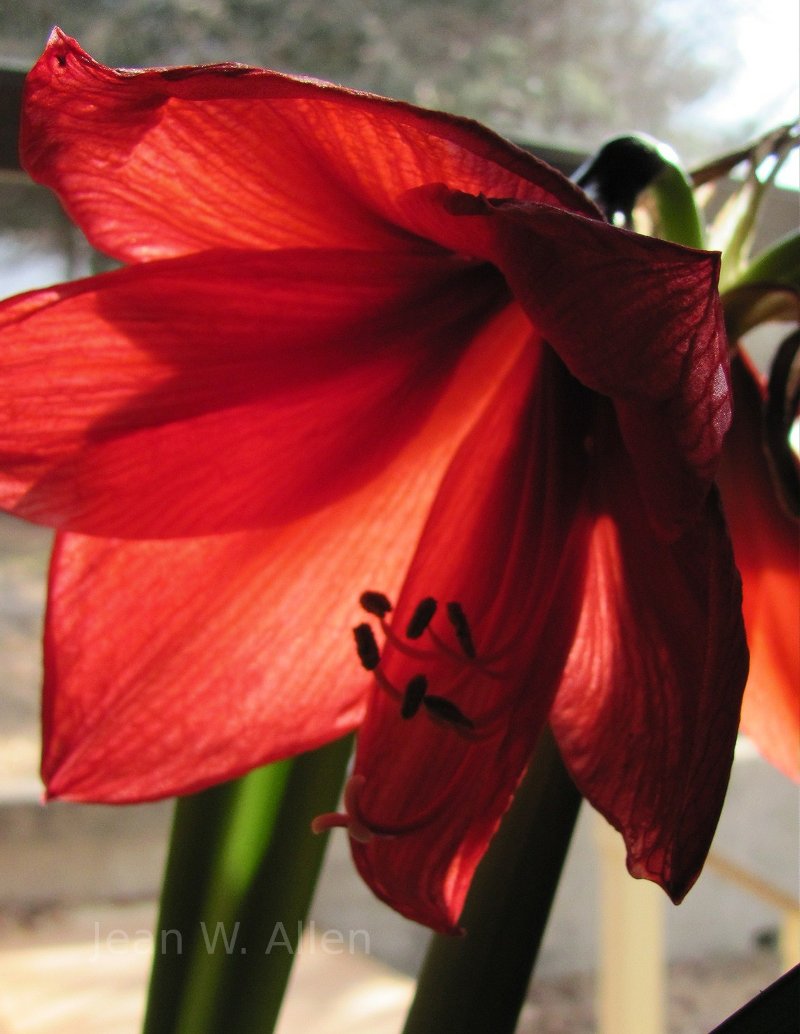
(469, 663)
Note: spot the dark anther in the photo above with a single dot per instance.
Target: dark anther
(414, 695)
(446, 712)
(421, 617)
(458, 619)
(368, 652)
(375, 603)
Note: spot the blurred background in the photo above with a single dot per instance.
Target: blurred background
(552, 74)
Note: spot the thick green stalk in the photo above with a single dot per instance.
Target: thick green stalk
(246, 839)
(199, 825)
(227, 843)
(477, 983)
(276, 905)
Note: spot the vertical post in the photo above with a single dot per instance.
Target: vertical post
(790, 939)
(631, 967)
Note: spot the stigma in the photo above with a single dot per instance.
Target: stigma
(363, 829)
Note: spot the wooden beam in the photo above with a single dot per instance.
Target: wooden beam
(11, 82)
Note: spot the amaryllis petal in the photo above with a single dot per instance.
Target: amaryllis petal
(160, 162)
(171, 665)
(634, 318)
(364, 346)
(765, 541)
(502, 543)
(199, 681)
(175, 397)
(648, 711)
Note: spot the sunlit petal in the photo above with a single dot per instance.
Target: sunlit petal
(176, 397)
(172, 665)
(153, 163)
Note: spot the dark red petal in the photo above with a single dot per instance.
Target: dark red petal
(639, 320)
(500, 541)
(165, 161)
(648, 711)
(634, 318)
(229, 390)
(765, 543)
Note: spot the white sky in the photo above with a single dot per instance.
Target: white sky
(769, 37)
(768, 86)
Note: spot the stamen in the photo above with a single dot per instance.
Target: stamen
(440, 709)
(367, 647)
(481, 663)
(405, 648)
(388, 687)
(414, 696)
(421, 618)
(375, 603)
(446, 713)
(458, 619)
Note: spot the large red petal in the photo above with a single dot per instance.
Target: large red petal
(171, 665)
(225, 391)
(765, 543)
(634, 318)
(174, 665)
(502, 542)
(648, 711)
(164, 161)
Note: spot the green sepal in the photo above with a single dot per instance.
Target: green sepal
(778, 264)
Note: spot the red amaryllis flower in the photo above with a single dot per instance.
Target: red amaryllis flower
(364, 347)
(766, 546)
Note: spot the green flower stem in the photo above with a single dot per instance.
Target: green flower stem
(250, 824)
(224, 841)
(199, 825)
(677, 211)
(752, 193)
(278, 898)
(477, 983)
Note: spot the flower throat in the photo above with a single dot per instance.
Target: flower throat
(422, 643)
